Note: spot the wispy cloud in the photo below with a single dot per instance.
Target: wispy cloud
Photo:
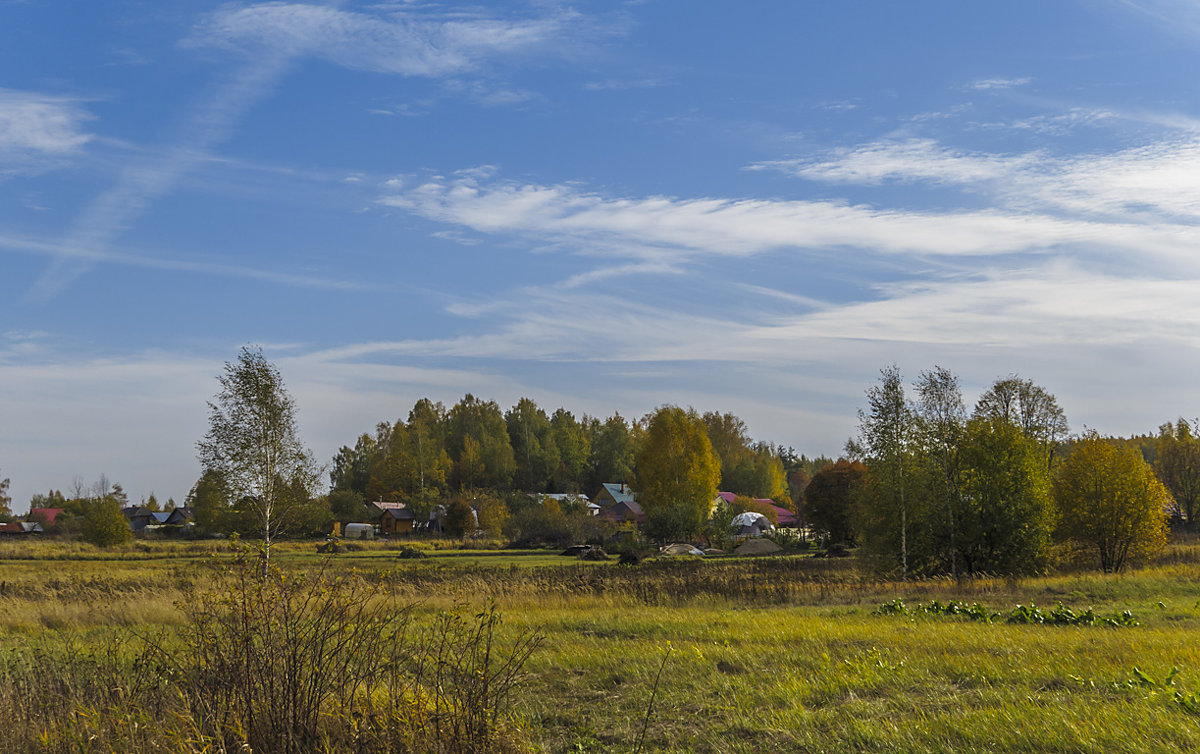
(272, 37)
(1040, 307)
(662, 229)
(117, 208)
(902, 161)
(1178, 16)
(1155, 183)
(36, 129)
(395, 41)
(87, 255)
(999, 83)
(621, 84)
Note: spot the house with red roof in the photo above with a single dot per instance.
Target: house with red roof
(783, 517)
(47, 516)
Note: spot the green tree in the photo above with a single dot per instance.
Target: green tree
(427, 438)
(534, 450)
(941, 419)
(209, 501)
(309, 515)
(1178, 466)
(1109, 499)
(5, 501)
(1004, 510)
(731, 444)
(574, 451)
(887, 515)
(351, 468)
(477, 438)
(252, 443)
(677, 474)
(459, 520)
(348, 506)
(767, 478)
(392, 467)
(103, 524)
(493, 515)
(1031, 408)
(830, 498)
(51, 499)
(615, 445)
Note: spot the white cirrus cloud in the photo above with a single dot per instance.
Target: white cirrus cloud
(1038, 308)
(1155, 182)
(669, 229)
(903, 160)
(386, 42)
(36, 128)
(1000, 82)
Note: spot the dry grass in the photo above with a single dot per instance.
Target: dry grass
(771, 654)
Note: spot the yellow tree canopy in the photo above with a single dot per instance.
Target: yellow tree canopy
(1109, 498)
(677, 473)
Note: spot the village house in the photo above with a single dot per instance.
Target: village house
(612, 493)
(616, 503)
(21, 527)
(47, 517)
(394, 518)
(784, 518)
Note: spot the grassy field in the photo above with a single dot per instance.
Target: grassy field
(773, 654)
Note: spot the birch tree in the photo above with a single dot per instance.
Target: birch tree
(253, 445)
(941, 419)
(886, 438)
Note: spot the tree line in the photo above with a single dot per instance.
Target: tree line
(929, 488)
(258, 476)
(437, 453)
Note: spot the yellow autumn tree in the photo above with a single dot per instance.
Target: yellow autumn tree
(677, 474)
(1110, 499)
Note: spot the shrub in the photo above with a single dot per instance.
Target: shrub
(280, 663)
(104, 524)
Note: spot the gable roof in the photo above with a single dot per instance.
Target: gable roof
(623, 511)
(784, 516)
(400, 514)
(180, 515)
(384, 505)
(620, 492)
(49, 514)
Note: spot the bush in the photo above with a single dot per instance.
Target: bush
(277, 664)
(538, 525)
(104, 524)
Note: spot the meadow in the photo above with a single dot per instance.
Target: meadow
(733, 655)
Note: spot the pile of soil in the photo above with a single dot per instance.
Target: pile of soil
(757, 547)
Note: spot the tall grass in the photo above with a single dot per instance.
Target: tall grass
(777, 654)
(290, 663)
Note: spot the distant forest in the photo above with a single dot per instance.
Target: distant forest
(436, 452)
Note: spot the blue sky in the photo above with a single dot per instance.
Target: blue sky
(603, 206)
